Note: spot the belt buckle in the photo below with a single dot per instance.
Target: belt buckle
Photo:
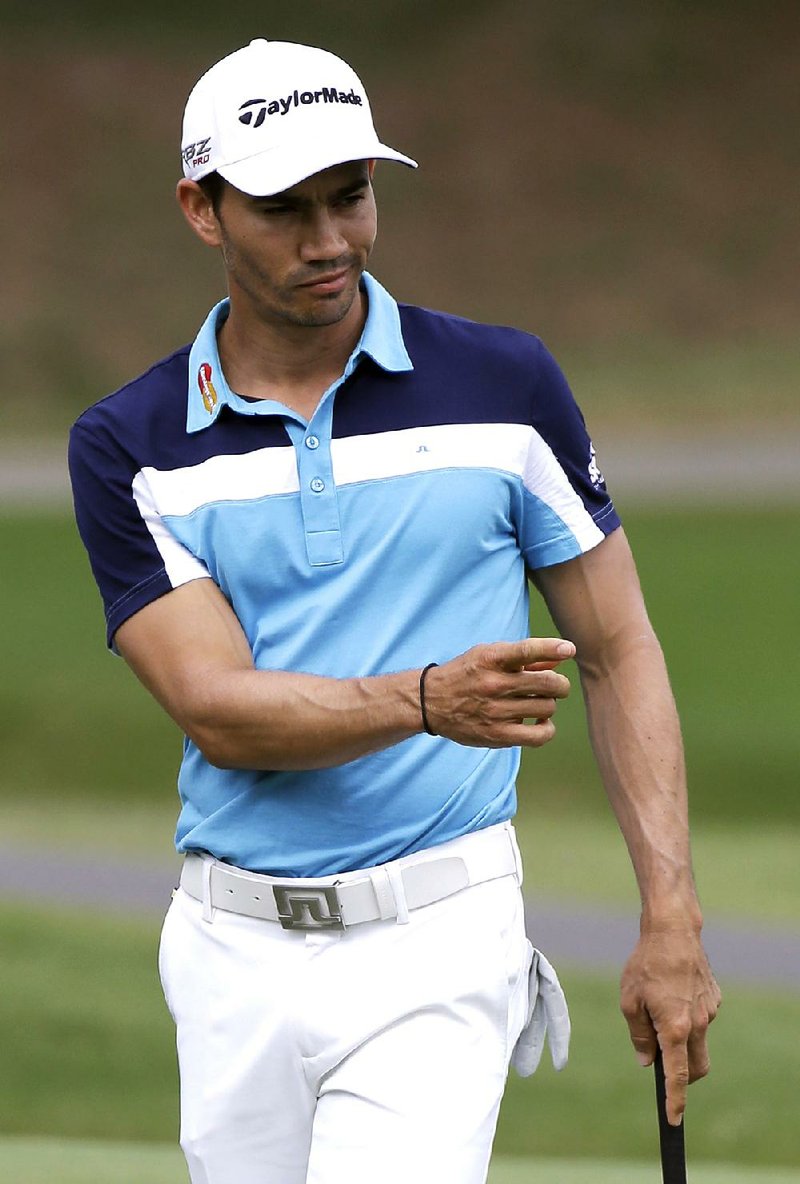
(309, 909)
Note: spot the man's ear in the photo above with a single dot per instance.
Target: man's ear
(371, 167)
(198, 212)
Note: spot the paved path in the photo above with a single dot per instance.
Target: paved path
(740, 466)
(581, 934)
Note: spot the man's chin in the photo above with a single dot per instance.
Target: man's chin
(327, 310)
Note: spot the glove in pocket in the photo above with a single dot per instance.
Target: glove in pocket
(548, 1017)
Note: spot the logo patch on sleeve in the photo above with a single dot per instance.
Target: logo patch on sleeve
(595, 476)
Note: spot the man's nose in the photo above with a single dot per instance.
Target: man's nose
(323, 238)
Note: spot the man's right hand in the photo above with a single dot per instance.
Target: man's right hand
(499, 695)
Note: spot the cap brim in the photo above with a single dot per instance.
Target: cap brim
(278, 169)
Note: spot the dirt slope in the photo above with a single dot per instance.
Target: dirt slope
(596, 173)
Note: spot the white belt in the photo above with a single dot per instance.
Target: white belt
(378, 893)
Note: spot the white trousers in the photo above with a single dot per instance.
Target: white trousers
(377, 1054)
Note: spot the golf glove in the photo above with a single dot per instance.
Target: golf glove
(547, 1016)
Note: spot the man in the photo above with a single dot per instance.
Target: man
(311, 531)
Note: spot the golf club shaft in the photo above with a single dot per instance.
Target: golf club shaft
(673, 1150)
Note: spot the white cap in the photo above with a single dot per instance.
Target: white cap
(271, 114)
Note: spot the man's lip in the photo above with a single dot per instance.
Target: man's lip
(328, 282)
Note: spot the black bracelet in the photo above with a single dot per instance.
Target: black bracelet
(426, 725)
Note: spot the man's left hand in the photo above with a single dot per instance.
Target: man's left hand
(669, 997)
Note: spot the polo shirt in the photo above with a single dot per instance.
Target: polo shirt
(390, 530)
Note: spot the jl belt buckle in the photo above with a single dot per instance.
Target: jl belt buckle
(308, 908)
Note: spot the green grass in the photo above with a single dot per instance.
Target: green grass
(722, 593)
(88, 1045)
(74, 724)
(607, 1171)
(39, 1161)
(80, 1161)
(88, 1053)
(651, 382)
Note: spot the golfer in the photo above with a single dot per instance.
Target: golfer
(312, 530)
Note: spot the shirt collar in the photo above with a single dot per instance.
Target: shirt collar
(208, 390)
(382, 337)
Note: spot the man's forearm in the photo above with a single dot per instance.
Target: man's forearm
(667, 991)
(189, 650)
(668, 994)
(280, 720)
(635, 734)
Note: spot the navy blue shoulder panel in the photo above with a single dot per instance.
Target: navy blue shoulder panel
(146, 419)
(463, 373)
(139, 426)
(466, 372)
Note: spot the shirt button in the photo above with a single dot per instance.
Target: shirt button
(317, 484)
(312, 442)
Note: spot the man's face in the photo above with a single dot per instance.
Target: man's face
(296, 257)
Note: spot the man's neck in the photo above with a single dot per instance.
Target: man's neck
(293, 364)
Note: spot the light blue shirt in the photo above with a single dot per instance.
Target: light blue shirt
(391, 530)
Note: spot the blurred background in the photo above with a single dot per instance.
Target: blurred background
(619, 178)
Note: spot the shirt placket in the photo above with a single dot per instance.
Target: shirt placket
(319, 500)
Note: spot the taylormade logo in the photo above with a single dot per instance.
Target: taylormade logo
(255, 111)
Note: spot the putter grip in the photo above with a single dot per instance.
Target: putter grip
(673, 1150)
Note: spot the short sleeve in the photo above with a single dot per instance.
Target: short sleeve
(134, 557)
(567, 507)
